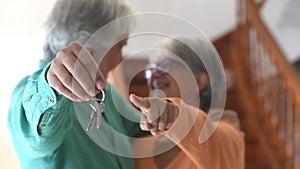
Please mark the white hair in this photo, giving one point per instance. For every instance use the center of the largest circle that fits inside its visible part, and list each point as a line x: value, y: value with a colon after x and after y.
x: 77, y: 20
x: 183, y: 50
x: 192, y: 52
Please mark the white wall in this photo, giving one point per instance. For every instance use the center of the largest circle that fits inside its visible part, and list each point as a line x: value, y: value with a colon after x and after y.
x: 21, y: 47
x: 213, y: 17
x: 281, y: 16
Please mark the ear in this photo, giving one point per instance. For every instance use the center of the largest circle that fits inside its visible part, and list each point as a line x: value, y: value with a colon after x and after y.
x: 202, y: 80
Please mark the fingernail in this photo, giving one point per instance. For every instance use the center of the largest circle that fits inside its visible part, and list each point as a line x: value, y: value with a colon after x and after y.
x: 149, y: 126
x: 168, y: 125
x: 133, y: 97
x: 100, y: 85
x: 154, y: 132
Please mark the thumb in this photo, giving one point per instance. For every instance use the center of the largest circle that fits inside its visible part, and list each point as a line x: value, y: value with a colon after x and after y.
x: 139, y: 102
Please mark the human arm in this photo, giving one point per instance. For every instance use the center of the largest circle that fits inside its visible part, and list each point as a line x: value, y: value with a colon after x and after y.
x: 223, y: 149
x: 41, y: 106
x: 37, y: 116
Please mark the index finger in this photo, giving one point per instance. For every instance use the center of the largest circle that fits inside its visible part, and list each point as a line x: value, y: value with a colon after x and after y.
x: 142, y: 103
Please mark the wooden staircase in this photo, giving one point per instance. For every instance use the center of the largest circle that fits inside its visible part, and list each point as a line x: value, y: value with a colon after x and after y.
x: 257, y: 156
x: 266, y: 92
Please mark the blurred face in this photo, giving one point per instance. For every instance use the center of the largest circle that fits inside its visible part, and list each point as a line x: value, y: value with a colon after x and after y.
x: 113, y: 58
x: 167, y: 76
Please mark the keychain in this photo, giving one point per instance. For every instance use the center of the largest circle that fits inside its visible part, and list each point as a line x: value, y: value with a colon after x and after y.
x: 98, y: 107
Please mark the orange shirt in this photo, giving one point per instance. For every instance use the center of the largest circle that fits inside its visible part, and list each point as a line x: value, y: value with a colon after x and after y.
x: 223, y: 149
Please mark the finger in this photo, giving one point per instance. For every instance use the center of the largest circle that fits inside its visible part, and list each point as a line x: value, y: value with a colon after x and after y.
x: 163, y: 120
x: 144, y: 124
x: 89, y: 65
x: 100, y: 78
x: 154, y: 129
x: 157, y: 108
x: 172, y: 115
x: 142, y: 103
x: 168, y: 125
x: 59, y: 87
x: 82, y: 77
x: 85, y: 58
x: 66, y: 78
x: 67, y: 58
x: 86, y: 63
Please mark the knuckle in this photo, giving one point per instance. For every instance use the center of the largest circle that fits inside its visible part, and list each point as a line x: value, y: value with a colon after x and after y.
x: 56, y: 62
x: 63, y: 52
x: 91, y: 91
x: 58, y: 87
x: 74, y: 98
x: 74, y: 44
x: 70, y: 62
x: 50, y: 74
x: 66, y: 79
x: 152, y: 120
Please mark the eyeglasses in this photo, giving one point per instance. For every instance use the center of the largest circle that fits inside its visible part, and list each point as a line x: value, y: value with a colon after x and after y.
x: 156, y: 74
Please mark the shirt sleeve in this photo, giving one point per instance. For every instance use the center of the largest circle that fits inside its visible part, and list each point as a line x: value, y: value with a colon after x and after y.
x: 37, y: 117
x: 224, y: 147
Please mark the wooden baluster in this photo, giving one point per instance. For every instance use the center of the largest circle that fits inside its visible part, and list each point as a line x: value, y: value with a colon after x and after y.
x: 252, y: 39
x: 252, y: 58
x: 256, y: 58
x: 297, y: 137
x: 264, y: 85
x: 276, y: 108
x: 259, y: 73
x: 273, y: 93
x: 282, y: 121
x: 268, y: 82
x: 270, y: 91
x: 289, y: 130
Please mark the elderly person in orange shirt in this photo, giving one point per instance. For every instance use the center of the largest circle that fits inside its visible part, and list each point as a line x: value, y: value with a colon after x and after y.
x: 179, y: 121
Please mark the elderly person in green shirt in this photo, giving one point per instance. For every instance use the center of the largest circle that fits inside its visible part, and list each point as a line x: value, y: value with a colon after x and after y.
x: 42, y: 119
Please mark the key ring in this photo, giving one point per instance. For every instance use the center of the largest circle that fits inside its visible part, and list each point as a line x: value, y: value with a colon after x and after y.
x: 100, y: 100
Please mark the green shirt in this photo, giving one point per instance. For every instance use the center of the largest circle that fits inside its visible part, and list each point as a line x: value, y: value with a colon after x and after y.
x: 47, y: 134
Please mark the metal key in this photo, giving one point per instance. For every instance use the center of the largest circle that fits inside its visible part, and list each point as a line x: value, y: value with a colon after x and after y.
x: 98, y: 107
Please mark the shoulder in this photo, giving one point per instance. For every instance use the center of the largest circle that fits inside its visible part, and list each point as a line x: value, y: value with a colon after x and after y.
x: 227, y: 115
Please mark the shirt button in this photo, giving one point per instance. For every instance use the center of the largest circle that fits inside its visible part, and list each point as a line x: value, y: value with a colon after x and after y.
x: 50, y: 100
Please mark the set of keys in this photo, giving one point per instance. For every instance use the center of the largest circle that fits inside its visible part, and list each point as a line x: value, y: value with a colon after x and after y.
x: 98, y: 107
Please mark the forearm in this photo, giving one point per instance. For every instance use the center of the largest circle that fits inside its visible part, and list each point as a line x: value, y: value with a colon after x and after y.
x: 223, y: 149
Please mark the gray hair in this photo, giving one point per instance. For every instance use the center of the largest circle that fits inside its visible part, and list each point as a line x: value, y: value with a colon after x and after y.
x: 181, y: 48
x: 183, y: 51
x: 77, y: 20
